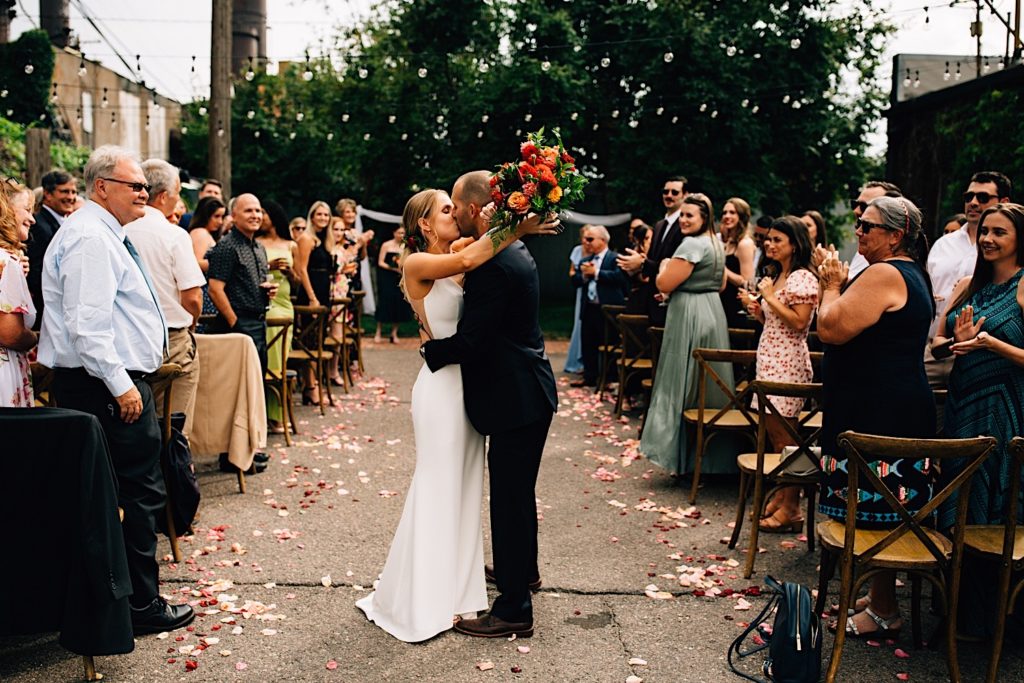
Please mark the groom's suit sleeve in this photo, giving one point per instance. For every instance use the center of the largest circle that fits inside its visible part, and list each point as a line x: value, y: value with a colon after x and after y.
x: 484, y: 306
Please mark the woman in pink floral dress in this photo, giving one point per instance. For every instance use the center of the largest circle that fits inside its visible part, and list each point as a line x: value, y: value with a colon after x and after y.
x: 17, y: 314
x: 785, y: 307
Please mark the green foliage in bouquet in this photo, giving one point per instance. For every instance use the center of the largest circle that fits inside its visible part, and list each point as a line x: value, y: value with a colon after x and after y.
x: 544, y: 180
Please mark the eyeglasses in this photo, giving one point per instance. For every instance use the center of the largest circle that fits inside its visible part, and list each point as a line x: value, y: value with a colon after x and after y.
x: 136, y: 187
x: 674, y: 193
x: 588, y: 239
x: 983, y: 197
x: 857, y: 204
x: 865, y: 227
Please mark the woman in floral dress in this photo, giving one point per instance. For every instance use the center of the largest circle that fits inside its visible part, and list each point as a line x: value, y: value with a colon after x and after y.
x: 17, y: 313
x: 785, y: 308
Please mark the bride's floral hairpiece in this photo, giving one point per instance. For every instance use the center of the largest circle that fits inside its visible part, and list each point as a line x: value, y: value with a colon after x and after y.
x: 415, y: 243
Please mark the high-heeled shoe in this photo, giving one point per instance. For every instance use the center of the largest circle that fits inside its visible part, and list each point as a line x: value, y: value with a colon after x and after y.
x: 337, y: 381
x: 308, y: 399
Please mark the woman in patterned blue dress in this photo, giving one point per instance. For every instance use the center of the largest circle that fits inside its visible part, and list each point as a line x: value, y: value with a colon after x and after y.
x: 986, y: 385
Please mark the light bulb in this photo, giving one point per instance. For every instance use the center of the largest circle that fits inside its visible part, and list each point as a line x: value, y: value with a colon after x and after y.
x: 669, y: 57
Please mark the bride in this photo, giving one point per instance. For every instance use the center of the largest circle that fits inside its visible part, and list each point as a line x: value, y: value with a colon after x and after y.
x: 435, y: 568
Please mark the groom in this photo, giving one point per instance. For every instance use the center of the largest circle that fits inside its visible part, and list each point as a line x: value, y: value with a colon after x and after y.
x: 509, y: 392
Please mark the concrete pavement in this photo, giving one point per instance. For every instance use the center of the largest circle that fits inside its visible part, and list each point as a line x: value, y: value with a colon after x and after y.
x: 293, y: 555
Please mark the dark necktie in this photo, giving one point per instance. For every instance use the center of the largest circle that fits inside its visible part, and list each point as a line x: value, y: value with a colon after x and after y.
x: 152, y: 292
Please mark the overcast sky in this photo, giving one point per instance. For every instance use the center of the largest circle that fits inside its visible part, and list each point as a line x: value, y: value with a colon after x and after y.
x: 167, y: 35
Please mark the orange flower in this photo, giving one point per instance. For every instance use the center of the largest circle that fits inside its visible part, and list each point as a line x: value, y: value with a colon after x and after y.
x: 555, y: 194
x: 545, y: 175
x: 518, y: 202
x: 549, y: 155
x: 528, y: 151
x: 529, y: 189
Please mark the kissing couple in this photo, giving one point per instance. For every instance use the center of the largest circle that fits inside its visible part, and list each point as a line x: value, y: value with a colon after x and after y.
x: 485, y: 373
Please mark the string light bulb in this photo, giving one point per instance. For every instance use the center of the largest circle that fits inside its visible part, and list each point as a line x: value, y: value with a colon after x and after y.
x: 104, y: 103
x: 946, y: 76
x: 250, y: 74
x: 82, y: 72
x: 917, y: 78
x: 669, y: 57
x: 906, y: 79
x: 958, y: 75
x: 29, y: 69
x: 307, y: 72
x: 422, y: 73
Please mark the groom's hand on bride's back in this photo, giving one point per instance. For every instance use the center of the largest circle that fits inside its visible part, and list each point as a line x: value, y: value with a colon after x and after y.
x: 461, y: 243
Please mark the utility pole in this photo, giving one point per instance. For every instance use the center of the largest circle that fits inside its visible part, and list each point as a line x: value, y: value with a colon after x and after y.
x: 220, y: 95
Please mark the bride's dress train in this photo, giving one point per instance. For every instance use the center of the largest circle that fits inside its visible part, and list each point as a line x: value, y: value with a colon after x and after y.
x: 434, y: 569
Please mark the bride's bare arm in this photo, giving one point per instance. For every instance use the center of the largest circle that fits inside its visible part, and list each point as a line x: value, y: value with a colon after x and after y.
x: 425, y: 267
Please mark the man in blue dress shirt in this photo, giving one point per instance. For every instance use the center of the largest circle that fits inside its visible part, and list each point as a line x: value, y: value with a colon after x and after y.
x: 102, y: 332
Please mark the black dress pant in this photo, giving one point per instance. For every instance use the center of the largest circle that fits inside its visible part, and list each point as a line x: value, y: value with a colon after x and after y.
x: 591, y: 336
x: 135, y: 453
x: 513, y: 461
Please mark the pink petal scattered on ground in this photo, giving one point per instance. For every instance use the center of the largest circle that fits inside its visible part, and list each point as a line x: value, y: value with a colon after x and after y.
x: 485, y: 666
x: 903, y: 676
x: 523, y: 649
x: 332, y: 665
x: 241, y: 666
x: 902, y: 654
x: 874, y: 643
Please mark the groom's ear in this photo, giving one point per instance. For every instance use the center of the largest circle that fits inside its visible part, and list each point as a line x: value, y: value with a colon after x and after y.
x: 474, y: 210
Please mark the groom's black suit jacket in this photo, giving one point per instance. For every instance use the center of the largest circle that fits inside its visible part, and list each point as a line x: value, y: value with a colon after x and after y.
x: 506, y: 376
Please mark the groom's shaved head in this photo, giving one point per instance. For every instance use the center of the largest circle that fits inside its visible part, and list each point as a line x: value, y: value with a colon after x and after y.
x: 474, y: 187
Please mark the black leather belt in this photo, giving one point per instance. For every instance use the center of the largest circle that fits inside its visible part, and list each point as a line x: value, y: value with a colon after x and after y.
x: 82, y: 372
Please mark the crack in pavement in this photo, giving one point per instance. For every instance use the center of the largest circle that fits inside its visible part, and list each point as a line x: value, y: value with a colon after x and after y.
x: 617, y: 629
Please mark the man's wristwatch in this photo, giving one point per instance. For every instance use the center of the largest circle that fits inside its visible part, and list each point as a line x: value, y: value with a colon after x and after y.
x: 423, y: 352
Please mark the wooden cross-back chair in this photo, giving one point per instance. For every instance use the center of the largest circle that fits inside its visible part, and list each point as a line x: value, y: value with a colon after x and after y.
x: 610, y: 348
x: 354, y: 332
x: 767, y: 469
x: 911, y: 546
x: 635, y: 355
x: 1002, y: 544
x: 337, y: 340
x: 308, y: 346
x: 280, y: 382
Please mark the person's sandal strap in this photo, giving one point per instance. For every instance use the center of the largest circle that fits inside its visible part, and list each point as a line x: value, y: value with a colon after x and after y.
x: 883, y: 624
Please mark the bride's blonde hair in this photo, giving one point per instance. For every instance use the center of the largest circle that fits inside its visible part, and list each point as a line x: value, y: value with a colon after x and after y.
x: 420, y: 205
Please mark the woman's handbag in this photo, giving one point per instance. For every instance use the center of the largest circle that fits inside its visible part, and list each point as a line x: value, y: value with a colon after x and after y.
x: 794, y: 641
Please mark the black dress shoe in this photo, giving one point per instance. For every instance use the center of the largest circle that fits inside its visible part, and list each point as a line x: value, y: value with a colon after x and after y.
x: 227, y: 466
x: 489, y: 578
x: 490, y: 626
x: 160, y: 616
x: 261, y: 457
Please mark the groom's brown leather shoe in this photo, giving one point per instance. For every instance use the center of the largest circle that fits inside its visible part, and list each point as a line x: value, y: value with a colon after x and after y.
x: 490, y: 626
x: 489, y: 578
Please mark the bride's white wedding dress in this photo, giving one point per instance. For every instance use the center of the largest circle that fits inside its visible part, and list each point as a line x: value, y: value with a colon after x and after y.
x: 434, y: 569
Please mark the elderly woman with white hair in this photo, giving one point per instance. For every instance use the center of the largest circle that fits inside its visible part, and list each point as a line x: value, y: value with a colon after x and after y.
x: 874, y: 329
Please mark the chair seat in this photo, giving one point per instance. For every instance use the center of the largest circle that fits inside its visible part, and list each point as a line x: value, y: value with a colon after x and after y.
x: 647, y: 383
x: 609, y: 348
x: 747, y: 462
x: 814, y: 422
x: 635, y: 363
x: 300, y: 356
x: 988, y: 540
x: 732, y: 419
x: 906, y: 552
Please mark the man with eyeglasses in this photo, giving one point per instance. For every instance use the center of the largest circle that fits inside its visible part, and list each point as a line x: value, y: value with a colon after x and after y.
x: 103, y: 332
x: 59, y: 194
x: 953, y: 256
x: 666, y: 239
x: 873, y: 189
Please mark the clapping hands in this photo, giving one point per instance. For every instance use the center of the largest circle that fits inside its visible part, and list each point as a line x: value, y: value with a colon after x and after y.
x: 967, y: 333
x: 832, y: 272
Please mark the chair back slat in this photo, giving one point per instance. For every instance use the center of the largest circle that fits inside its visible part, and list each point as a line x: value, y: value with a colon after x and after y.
x: 804, y: 436
x: 636, y: 342
x: 735, y: 400
x: 863, y: 449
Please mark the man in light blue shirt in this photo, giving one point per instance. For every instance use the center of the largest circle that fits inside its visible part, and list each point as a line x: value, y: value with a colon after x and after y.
x: 102, y: 332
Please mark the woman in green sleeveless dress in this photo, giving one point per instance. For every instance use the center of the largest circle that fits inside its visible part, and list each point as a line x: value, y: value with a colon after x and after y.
x: 694, y: 276
x: 275, y: 237
x: 986, y: 385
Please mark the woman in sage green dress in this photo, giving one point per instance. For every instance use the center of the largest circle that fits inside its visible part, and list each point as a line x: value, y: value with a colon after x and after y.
x: 691, y: 279
x: 275, y: 236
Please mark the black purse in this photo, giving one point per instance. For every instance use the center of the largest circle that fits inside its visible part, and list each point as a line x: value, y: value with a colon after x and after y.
x: 794, y: 643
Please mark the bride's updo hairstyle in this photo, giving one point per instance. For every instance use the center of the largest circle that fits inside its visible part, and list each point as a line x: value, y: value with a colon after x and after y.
x: 420, y: 205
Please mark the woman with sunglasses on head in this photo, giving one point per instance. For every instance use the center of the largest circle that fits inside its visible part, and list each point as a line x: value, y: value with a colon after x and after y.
x: 691, y: 281
x: 17, y: 313
x: 739, y: 257
x: 874, y: 330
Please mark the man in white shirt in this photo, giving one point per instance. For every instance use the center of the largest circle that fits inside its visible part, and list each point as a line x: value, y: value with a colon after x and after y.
x: 103, y: 331
x: 873, y: 189
x: 953, y: 257
x: 167, y: 252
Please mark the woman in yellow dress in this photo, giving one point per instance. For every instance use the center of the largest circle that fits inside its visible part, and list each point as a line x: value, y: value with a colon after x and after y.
x: 275, y: 237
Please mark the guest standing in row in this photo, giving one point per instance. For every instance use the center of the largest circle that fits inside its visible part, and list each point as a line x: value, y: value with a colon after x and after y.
x: 281, y: 253
x: 874, y: 380
x: 204, y: 229
x: 739, y: 258
x: 60, y: 193
x: 815, y: 224
x: 392, y: 308
x: 785, y: 308
x: 17, y: 311
x: 574, y: 358
x: 315, y: 268
x: 692, y: 280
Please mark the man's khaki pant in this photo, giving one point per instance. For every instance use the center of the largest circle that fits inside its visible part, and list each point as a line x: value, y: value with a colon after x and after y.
x: 181, y: 349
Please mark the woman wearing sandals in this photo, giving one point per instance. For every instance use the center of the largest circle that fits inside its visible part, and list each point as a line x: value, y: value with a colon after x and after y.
x: 873, y: 380
x: 785, y: 307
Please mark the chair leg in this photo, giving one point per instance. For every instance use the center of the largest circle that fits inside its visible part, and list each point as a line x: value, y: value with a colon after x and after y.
x: 603, y: 358
x: 1005, y: 605
x: 811, y: 492
x: 915, y: 610
x: 755, y: 526
x: 325, y: 381
x: 175, y: 549
x: 845, y: 598
x: 241, y: 481
x: 698, y: 454
x: 741, y: 510
x: 90, y: 669
x: 620, y: 393
x: 286, y: 409
x: 825, y: 574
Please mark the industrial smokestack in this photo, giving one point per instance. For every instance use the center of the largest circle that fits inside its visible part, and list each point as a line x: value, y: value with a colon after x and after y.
x: 248, y: 33
x: 55, y: 19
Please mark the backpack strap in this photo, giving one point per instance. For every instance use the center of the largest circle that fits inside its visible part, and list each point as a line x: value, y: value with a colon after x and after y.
x: 753, y: 626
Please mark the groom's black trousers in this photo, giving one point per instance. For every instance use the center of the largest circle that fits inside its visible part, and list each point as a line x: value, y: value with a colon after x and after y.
x: 513, y: 460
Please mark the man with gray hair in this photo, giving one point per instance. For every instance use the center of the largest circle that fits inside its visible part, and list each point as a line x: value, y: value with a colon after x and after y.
x: 59, y: 194
x: 103, y: 332
x: 166, y: 250
x: 604, y: 282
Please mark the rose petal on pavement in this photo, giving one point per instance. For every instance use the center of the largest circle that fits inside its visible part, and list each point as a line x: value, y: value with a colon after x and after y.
x: 332, y: 665
x: 523, y: 649
x: 636, y: 661
x: 241, y: 666
x: 902, y: 654
x: 485, y: 666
